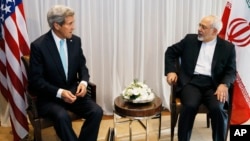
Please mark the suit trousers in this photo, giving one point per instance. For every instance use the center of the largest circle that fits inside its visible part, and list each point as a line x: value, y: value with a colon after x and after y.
x: 84, y: 107
x: 201, y: 90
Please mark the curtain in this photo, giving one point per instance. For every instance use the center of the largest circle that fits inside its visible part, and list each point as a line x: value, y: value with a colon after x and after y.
x: 125, y: 40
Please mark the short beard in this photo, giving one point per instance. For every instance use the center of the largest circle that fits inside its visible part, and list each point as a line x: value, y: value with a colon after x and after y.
x: 200, y: 38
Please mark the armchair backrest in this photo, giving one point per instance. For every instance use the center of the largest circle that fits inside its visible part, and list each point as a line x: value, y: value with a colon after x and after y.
x: 31, y: 98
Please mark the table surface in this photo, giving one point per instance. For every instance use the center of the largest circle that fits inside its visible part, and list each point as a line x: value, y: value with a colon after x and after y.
x: 124, y: 108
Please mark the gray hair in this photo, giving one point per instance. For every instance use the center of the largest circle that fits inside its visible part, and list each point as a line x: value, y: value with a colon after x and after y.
x: 57, y: 14
x: 216, y: 23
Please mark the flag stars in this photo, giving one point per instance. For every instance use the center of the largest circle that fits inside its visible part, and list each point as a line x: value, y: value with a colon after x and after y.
x: 11, y: 1
x: 2, y: 6
x: 7, y: 9
x: 2, y: 12
x: 2, y: 18
x: 7, y: 2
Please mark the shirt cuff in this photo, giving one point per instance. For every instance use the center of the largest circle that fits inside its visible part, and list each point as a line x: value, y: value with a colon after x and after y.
x: 59, y: 93
x: 84, y: 83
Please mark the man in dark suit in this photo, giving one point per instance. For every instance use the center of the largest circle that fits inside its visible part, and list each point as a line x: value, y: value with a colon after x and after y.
x: 207, y: 69
x: 61, y: 81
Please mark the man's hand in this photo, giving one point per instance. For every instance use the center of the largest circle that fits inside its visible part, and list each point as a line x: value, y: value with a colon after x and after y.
x: 222, y: 93
x: 68, y: 97
x: 81, y: 90
x: 172, y: 78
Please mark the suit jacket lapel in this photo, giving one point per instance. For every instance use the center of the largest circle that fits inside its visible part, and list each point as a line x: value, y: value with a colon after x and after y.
x: 217, y: 53
x: 196, y: 52
x: 55, y: 54
x: 70, y: 44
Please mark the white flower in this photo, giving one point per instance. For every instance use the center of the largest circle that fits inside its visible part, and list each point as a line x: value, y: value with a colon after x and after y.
x: 138, y: 92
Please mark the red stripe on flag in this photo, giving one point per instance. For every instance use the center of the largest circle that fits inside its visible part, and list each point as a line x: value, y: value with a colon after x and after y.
x: 3, y: 89
x: 239, y: 106
x: 225, y: 18
x: 19, y: 116
x: 15, y: 81
x: 11, y: 43
x: 24, y: 47
x: 4, y: 92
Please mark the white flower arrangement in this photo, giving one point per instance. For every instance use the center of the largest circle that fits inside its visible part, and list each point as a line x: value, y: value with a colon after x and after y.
x: 138, y: 92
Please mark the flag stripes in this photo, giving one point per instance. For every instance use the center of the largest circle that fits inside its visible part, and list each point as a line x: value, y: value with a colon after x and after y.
x: 13, y: 77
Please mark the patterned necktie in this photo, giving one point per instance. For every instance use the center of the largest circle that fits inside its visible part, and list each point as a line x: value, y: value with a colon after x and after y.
x: 63, y: 57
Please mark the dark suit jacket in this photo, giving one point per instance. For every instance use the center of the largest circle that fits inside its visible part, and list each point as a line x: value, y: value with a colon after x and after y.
x: 187, y: 50
x: 46, y: 74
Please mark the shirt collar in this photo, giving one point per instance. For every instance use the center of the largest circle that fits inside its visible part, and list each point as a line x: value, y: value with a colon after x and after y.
x: 56, y: 38
x: 212, y: 42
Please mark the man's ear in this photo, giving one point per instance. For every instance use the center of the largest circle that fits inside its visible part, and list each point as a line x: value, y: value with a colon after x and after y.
x: 57, y: 26
x: 215, y: 31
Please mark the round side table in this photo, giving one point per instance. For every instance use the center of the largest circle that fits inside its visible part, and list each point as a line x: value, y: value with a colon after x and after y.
x: 138, y: 112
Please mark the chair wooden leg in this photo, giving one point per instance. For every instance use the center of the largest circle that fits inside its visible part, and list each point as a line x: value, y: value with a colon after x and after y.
x: 111, y: 134
x: 159, y: 135
x: 208, y: 120
x: 228, y: 126
x: 37, y: 131
x: 174, y: 117
x: 229, y: 112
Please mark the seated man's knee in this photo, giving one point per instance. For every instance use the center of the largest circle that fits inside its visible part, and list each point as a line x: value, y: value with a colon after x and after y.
x: 62, y: 115
x: 217, y: 111
x: 98, y: 111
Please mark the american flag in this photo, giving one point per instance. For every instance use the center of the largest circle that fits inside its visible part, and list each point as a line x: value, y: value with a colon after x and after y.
x: 12, y: 74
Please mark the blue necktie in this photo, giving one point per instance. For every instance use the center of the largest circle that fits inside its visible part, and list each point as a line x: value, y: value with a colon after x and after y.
x: 63, y: 57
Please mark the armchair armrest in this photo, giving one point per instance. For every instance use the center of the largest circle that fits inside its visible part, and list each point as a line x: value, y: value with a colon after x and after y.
x: 91, y: 90
x: 32, y: 99
x: 32, y: 107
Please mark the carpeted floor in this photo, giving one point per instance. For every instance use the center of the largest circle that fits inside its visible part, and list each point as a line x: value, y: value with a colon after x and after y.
x: 200, y: 131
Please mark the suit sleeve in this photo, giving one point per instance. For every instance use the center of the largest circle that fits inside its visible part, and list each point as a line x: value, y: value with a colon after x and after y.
x: 83, y: 72
x: 230, y: 69
x: 36, y: 78
x: 172, y: 55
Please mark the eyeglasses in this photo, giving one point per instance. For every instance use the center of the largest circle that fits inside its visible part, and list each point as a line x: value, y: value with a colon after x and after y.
x: 203, y: 27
